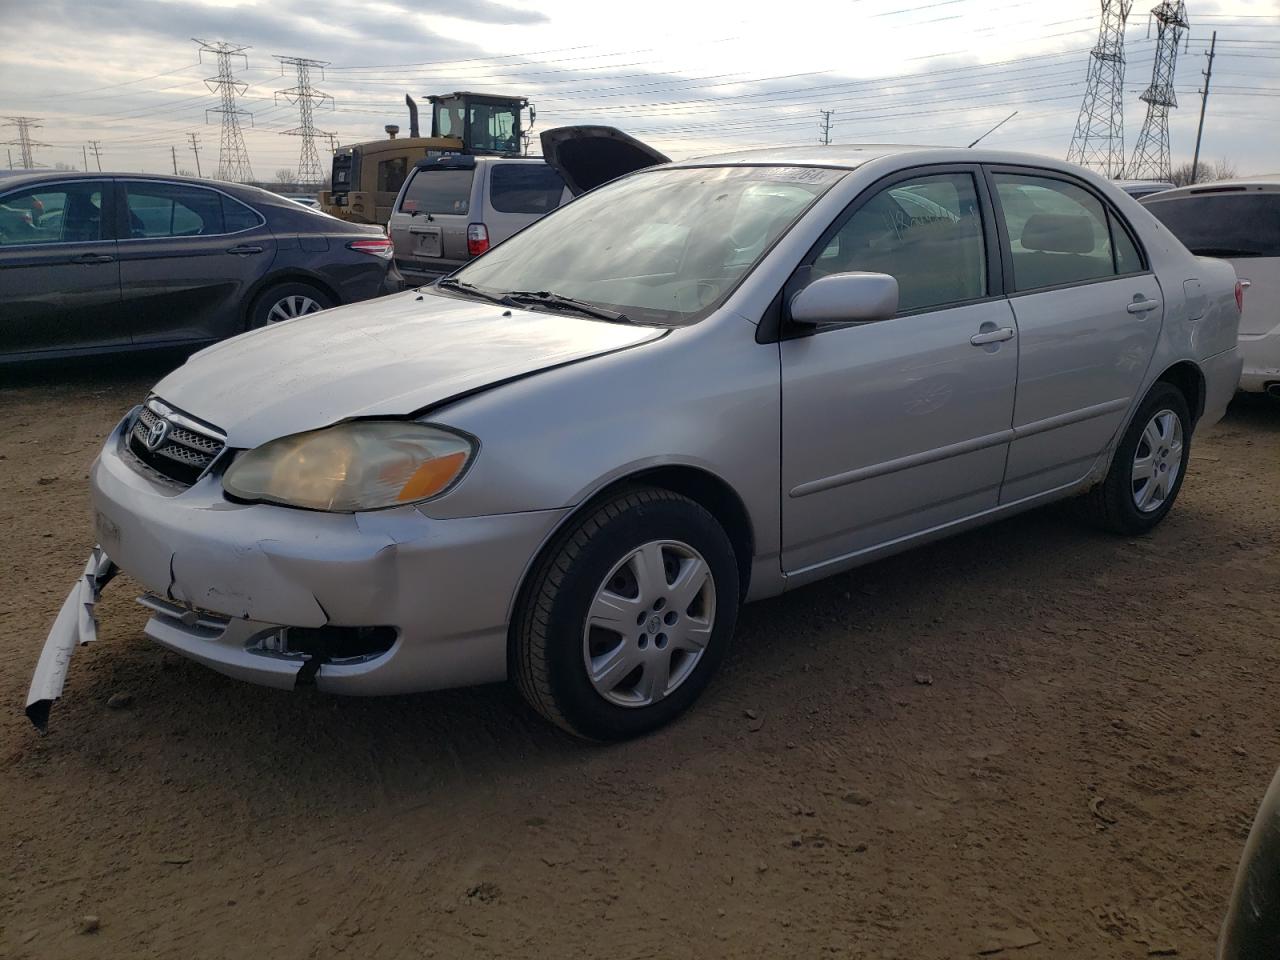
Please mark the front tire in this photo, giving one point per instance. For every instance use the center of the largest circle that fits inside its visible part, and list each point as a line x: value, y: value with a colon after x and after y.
x: 1148, y: 468
x: 627, y: 616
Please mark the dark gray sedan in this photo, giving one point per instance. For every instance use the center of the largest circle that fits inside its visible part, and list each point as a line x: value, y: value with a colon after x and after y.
x: 107, y: 262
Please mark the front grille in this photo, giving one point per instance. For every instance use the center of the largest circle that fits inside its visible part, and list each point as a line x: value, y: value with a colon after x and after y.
x: 185, y: 449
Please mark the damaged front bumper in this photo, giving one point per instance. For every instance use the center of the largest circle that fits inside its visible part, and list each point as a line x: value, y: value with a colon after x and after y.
x: 386, y: 602
x: 74, y: 626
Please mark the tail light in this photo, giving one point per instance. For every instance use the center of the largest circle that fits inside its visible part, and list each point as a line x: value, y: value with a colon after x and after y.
x: 477, y: 239
x: 1240, y: 296
x: 374, y: 246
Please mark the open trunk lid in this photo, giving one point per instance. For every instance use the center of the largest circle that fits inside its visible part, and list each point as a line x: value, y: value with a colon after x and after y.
x: 588, y: 156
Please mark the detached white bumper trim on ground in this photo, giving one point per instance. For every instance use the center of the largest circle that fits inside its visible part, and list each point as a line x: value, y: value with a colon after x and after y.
x: 73, y: 627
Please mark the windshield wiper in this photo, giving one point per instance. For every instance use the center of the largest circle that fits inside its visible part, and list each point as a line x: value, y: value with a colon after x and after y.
x: 452, y: 283
x: 545, y: 298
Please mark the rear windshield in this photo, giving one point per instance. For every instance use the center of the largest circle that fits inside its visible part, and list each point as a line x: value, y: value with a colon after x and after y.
x: 438, y: 191
x: 524, y: 188
x: 1223, y: 224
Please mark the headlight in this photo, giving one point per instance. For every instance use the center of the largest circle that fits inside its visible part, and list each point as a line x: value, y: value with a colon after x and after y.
x: 361, y: 465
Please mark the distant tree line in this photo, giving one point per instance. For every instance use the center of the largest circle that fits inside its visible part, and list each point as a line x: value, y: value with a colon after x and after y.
x: 1209, y: 170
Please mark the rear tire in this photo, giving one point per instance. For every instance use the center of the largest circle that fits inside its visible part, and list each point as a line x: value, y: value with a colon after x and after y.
x: 627, y: 615
x: 1148, y: 467
x: 285, y: 301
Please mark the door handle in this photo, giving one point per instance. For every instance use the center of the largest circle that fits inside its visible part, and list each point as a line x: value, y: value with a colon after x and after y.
x: 1142, y: 306
x: 992, y: 336
x: 244, y: 249
x: 93, y: 258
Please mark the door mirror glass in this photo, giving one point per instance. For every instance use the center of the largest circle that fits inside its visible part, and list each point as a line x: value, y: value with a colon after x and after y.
x: 846, y: 298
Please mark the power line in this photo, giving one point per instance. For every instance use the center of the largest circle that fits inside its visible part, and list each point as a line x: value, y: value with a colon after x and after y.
x: 233, y: 155
x: 305, y: 97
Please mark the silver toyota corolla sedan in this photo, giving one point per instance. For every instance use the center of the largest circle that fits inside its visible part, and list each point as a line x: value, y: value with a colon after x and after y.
x: 702, y: 383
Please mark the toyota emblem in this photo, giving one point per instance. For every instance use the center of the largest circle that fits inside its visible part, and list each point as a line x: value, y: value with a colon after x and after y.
x: 156, y: 435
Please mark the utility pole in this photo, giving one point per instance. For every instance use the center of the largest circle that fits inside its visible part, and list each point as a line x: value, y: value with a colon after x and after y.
x: 96, y: 146
x: 84, y: 151
x: 305, y: 97
x: 1098, y: 140
x: 825, y: 126
x: 173, y: 151
x: 233, y: 155
x: 10, y: 153
x: 26, y: 146
x: 1204, y: 99
x: 195, y: 148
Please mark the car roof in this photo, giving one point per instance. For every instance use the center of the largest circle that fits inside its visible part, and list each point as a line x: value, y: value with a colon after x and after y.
x: 23, y: 177
x: 853, y: 155
x: 1267, y: 184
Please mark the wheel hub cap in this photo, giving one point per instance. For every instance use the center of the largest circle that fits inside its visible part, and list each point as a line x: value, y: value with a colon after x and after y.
x: 649, y: 623
x: 289, y: 307
x: 1157, y: 461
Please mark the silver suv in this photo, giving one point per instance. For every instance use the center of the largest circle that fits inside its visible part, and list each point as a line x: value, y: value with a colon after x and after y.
x: 454, y: 208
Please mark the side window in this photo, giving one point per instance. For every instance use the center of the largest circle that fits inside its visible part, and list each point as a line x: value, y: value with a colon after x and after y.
x: 236, y: 216
x: 170, y: 210
x: 391, y: 174
x: 70, y: 213
x: 926, y: 233
x: 1058, y: 232
x: 524, y: 188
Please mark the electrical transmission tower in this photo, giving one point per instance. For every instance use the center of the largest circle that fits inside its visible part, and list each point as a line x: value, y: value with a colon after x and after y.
x: 1098, y: 140
x: 825, y: 126
x: 305, y: 97
x: 233, y: 155
x: 24, y: 143
x: 1150, y: 160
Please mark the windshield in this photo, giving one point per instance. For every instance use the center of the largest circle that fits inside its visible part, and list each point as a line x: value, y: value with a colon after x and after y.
x: 665, y: 246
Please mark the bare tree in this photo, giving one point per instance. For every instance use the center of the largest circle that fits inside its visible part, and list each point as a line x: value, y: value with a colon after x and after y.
x: 1180, y: 176
x: 284, y: 175
x: 184, y: 172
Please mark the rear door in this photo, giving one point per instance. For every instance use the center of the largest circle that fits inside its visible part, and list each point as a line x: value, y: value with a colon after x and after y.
x: 58, y: 268
x: 1089, y: 312
x: 189, y: 256
x: 429, y: 224
x: 517, y: 193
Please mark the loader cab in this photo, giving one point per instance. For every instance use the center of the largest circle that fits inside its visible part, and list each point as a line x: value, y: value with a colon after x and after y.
x: 487, y: 124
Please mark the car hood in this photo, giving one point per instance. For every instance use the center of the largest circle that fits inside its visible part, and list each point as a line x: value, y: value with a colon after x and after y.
x: 389, y: 357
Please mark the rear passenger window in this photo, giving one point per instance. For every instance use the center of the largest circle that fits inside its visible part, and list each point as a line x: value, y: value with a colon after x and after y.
x: 170, y: 210
x: 926, y: 233
x: 524, y: 188
x: 1127, y: 257
x: 1058, y: 232
x: 236, y: 216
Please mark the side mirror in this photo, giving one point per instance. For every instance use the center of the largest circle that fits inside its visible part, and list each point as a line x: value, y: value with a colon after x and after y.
x: 846, y: 298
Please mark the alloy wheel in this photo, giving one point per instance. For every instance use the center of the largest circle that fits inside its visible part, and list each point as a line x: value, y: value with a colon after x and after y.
x: 649, y: 623
x: 292, y: 306
x: 1157, y: 461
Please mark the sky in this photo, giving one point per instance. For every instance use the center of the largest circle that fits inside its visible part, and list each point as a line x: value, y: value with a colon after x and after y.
x: 692, y: 78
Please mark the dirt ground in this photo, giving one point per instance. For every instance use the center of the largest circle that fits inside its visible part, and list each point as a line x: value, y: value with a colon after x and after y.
x: 1032, y: 741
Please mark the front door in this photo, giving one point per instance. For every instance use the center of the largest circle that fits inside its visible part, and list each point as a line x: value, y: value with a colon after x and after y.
x: 58, y: 269
x: 191, y: 258
x: 894, y: 428
x: 1089, y: 313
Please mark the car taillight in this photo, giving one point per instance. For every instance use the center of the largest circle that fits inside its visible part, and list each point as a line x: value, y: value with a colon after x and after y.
x: 477, y: 239
x: 376, y: 246
x: 1240, y: 296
